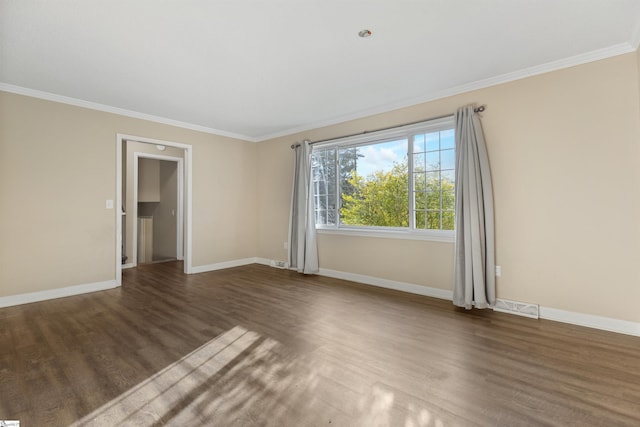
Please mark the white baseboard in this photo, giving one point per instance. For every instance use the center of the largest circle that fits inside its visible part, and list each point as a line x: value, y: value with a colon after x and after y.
x: 580, y: 319
x: 68, y: 291
x: 591, y: 321
x: 574, y: 318
x: 389, y: 284
x: 224, y: 264
x: 128, y: 265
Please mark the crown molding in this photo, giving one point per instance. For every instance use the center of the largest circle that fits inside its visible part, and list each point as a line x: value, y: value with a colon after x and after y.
x: 596, y: 55
x: 572, y: 61
x: 33, y: 93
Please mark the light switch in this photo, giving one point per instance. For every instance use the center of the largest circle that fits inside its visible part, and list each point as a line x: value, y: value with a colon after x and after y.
x: 109, y: 204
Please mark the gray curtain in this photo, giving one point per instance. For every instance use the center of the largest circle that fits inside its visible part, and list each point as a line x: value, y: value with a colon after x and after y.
x: 474, y: 276
x: 303, y: 247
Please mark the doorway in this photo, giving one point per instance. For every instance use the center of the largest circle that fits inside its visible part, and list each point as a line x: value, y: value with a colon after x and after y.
x: 169, y: 203
x: 157, y: 207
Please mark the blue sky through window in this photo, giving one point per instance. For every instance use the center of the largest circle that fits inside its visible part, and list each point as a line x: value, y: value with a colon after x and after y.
x: 381, y: 157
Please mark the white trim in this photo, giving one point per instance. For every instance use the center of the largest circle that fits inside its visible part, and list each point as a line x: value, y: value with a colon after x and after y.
x: 6, y: 87
x: 263, y: 261
x: 224, y: 264
x: 572, y: 61
x: 391, y: 134
x: 187, y: 216
x: 444, y: 236
x: 596, y: 55
x: 133, y: 211
x: 591, y: 321
x: 580, y: 319
x: 406, y: 134
x: 68, y: 291
x: 128, y: 265
x: 389, y: 284
x: 118, y: 211
x: 564, y: 316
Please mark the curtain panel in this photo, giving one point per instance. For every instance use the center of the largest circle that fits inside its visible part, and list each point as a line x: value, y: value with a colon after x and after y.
x: 474, y: 275
x: 303, y: 246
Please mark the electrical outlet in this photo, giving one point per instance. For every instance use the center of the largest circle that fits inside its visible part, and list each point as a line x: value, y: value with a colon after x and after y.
x: 498, y: 270
x: 286, y: 246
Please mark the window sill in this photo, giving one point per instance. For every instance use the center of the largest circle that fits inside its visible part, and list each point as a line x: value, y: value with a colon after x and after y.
x: 439, y: 236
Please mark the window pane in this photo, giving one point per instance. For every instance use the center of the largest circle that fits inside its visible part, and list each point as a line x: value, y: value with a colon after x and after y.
x: 433, y: 161
x: 447, y: 139
x: 321, y: 216
x: 448, y: 177
x: 448, y: 221
x: 368, y: 184
x: 433, y: 220
x: 433, y: 200
x: 418, y: 143
x: 419, y: 181
x: 323, y: 163
x: 433, y: 181
x: 421, y: 220
x: 374, y: 181
x: 419, y: 162
x: 448, y: 159
x: 448, y: 200
x: 332, y: 216
x: 420, y: 200
x: 433, y: 141
x: 348, y: 159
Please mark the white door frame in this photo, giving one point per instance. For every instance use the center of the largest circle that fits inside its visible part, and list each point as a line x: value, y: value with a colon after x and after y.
x: 180, y: 202
x: 188, y: 203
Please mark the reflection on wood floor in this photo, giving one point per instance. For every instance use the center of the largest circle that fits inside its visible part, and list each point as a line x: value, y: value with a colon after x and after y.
x: 258, y: 346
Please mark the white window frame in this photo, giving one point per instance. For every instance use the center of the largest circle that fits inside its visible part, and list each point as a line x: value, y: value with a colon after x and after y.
x: 407, y: 132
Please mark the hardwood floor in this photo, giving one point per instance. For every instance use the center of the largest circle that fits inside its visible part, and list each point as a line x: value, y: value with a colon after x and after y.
x: 254, y: 346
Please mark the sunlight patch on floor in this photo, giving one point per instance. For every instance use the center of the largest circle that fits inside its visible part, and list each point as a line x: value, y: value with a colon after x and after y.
x: 150, y: 401
x: 243, y: 378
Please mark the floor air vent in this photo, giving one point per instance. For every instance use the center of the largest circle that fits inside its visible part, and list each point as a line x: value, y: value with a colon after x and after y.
x: 278, y: 264
x: 519, y: 308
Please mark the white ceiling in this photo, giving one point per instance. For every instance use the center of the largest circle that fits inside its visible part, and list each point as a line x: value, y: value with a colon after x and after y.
x: 255, y: 69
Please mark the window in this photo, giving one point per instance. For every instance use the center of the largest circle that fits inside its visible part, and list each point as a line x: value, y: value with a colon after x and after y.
x: 398, y: 180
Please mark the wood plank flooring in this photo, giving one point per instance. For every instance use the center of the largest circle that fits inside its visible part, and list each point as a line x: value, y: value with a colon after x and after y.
x: 258, y: 346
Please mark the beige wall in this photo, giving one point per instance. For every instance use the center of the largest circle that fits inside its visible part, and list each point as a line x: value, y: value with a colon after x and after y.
x: 165, y: 215
x: 57, y: 168
x: 148, y: 180
x: 564, y: 149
